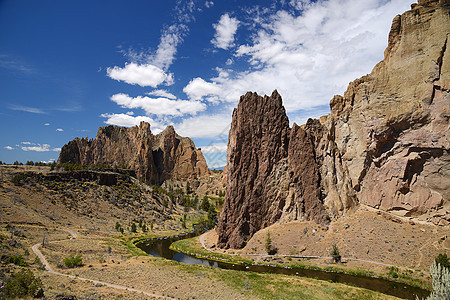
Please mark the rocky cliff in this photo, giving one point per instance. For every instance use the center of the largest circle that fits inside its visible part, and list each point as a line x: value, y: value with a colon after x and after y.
x: 155, y: 158
x: 385, y: 143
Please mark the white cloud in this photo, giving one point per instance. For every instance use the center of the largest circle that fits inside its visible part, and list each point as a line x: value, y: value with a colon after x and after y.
x: 47, y: 124
x: 25, y: 143
x: 300, y: 4
x: 159, y: 106
x: 143, y: 75
x: 217, y: 163
x: 307, y: 57
x: 129, y: 121
x: 40, y: 148
x: 171, y: 38
x: 59, y: 129
x: 215, y: 148
x: 8, y: 148
x: 205, y: 126
x: 168, y: 44
x: 225, y: 31
x: 162, y: 93
x: 199, y: 88
x: 209, y: 4
x: 32, y: 110
x: 48, y: 161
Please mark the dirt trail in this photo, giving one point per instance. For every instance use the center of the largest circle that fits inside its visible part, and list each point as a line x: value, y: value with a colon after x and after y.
x: 49, y: 269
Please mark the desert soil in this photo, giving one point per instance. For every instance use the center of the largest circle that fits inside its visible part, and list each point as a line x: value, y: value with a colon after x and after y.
x: 29, y: 216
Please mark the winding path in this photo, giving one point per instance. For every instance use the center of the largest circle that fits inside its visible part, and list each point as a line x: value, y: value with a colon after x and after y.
x: 49, y: 269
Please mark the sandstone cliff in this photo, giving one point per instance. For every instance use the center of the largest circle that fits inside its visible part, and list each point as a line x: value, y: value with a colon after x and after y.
x: 155, y: 158
x: 385, y: 143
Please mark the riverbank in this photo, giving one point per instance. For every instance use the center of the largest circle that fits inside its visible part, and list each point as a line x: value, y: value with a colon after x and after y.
x: 196, y: 247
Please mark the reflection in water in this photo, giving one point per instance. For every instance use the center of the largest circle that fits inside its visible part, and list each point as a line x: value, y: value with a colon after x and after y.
x: 160, y: 248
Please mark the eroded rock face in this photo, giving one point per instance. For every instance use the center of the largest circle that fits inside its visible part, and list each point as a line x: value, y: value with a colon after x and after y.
x: 394, y: 130
x: 155, y: 158
x: 273, y: 172
x: 385, y: 144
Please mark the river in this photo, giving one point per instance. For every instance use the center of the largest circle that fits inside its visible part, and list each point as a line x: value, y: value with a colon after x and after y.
x: 160, y: 248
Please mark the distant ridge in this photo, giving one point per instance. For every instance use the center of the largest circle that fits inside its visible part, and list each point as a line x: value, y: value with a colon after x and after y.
x: 155, y: 158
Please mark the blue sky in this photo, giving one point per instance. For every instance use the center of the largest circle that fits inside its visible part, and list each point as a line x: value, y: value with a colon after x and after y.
x: 69, y: 67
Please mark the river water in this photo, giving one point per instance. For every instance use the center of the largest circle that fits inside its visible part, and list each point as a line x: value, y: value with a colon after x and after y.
x: 160, y: 248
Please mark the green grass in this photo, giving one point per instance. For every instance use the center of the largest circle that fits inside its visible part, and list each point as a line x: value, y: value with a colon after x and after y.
x: 193, y: 247
x: 276, y: 286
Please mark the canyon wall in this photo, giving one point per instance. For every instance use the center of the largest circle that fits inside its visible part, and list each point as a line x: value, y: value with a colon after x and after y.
x: 385, y: 143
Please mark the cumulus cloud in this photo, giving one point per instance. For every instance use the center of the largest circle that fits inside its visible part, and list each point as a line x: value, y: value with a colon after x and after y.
x: 205, y: 126
x: 162, y: 93
x: 47, y: 124
x: 127, y: 120
x: 143, y: 75
x: 159, y: 106
x: 48, y: 161
x: 39, y: 148
x: 198, y: 88
x: 8, y: 148
x: 60, y: 130
x: 209, y: 4
x: 225, y: 31
x: 307, y: 56
x: 215, y: 148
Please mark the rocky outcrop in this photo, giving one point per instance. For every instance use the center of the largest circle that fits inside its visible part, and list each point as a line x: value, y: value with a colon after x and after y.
x: 274, y: 173
x: 385, y: 143
x: 258, y: 140
x: 155, y: 158
x: 392, y: 126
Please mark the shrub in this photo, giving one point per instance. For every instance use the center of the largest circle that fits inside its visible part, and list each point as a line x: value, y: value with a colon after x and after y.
x: 393, y: 272
x: 133, y: 227
x: 336, y: 256
x: 443, y: 260
x: 441, y: 282
x: 19, y: 178
x: 17, y: 260
x: 212, y: 216
x: 118, y: 226
x: 205, y: 204
x: 73, y: 261
x: 268, y: 244
x: 23, y: 284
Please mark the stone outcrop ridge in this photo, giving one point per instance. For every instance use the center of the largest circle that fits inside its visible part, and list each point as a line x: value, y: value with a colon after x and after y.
x: 155, y: 158
x: 276, y: 173
x: 385, y: 143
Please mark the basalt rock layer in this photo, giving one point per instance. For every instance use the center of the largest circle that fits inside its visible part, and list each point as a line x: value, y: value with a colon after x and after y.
x: 385, y: 143
x: 155, y: 158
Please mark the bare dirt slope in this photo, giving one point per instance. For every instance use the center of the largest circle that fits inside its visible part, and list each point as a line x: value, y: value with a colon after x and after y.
x: 76, y: 218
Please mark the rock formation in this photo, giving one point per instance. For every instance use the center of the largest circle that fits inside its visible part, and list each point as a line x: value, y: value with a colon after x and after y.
x: 392, y: 126
x: 385, y: 143
x: 155, y: 158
